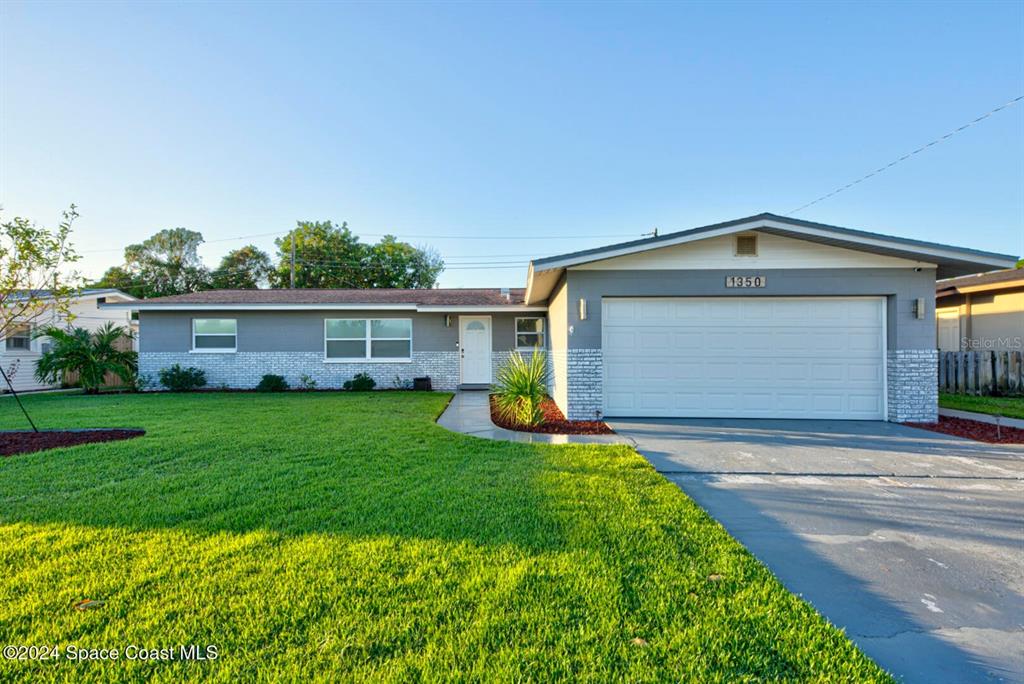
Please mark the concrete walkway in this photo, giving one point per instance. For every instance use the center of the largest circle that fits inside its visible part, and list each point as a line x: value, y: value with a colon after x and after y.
x: 470, y: 413
x: 982, y: 417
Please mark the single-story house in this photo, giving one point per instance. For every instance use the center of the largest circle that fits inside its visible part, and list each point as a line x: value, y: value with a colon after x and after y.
x: 983, y: 312
x: 760, y: 317
x: 20, y: 350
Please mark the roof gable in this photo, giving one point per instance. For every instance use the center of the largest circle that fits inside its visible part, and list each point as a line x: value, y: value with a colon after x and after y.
x: 949, y: 260
x: 773, y: 251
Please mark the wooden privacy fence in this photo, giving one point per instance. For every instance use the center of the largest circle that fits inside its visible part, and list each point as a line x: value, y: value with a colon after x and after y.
x: 981, y: 372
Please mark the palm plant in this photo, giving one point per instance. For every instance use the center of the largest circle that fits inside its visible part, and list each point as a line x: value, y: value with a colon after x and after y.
x: 91, y: 354
x: 521, y: 387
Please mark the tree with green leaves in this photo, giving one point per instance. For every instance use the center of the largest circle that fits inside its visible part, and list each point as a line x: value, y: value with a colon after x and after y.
x: 35, y: 280
x: 167, y: 263
x: 245, y: 268
x: 391, y: 263
x: 326, y: 255
x: 329, y: 255
x: 91, y: 354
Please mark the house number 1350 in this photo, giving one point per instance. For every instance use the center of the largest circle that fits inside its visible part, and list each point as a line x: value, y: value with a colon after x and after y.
x: 745, y: 281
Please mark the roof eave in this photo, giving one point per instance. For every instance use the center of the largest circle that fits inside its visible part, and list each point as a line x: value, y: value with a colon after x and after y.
x: 141, y: 305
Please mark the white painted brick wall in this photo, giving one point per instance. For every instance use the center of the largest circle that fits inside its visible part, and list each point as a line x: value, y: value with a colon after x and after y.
x: 913, y: 391
x: 585, y: 380
x: 244, y: 370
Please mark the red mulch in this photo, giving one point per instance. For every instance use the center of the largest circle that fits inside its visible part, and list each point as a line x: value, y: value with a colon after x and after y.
x: 554, y: 422
x: 973, y: 429
x: 24, y: 442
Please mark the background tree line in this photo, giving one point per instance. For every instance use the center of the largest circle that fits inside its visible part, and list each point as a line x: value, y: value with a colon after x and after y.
x: 326, y: 256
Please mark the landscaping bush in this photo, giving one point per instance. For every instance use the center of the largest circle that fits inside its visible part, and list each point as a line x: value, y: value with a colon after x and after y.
x: 90, y: 355
x: 307, y: 382
x: 521, y: 387
x: 178, y: 379
x: 272, y: 383
x: 360, y: 383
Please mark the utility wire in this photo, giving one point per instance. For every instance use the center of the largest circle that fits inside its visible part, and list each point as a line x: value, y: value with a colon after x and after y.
x: 910, y: 154
x: 417, y: 237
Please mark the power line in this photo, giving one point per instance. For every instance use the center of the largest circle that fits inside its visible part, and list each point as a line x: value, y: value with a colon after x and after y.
x: 417, y: 237
x: 911, y: 154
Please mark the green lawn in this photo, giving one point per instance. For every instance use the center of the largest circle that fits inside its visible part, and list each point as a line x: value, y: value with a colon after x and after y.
x: 348, y: 537
x: 1011, y: 407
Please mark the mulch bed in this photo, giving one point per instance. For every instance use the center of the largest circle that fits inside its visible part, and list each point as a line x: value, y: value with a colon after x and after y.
x: 23, y: 442
x: 554, y: 422
x: 973, y: 429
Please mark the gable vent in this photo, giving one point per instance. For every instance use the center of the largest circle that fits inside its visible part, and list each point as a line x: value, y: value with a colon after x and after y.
x: 746, y: 245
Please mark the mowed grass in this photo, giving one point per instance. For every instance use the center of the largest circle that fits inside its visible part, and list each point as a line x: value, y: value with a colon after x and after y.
x: 1011, y: 407
x: 347, y: 537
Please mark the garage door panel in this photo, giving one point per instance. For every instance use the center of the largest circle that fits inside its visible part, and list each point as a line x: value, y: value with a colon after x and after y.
x: 688, y: 341
x: 744, y: 357
x: 687, y: 401
x: 617, y: 311
x: 619, y: 401
x: 865, y: 403
x: 722, y: 341
x: 828, y: 371
x: 657, y: 340
x: 656, y: 310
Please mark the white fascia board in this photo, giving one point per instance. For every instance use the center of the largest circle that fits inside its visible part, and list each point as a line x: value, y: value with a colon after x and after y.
x: 529, y: 282
x: 510, y: 308
x: 142, y: 306
x: 780, y: 225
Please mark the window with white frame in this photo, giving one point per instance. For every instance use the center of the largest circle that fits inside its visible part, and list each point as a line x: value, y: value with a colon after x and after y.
x: 530, y: 333
x: 214, y: 334
x: 361, y: 339
x: 19, y: 338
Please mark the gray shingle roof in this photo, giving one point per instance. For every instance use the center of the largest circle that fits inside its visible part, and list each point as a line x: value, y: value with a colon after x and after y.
x: 993, y: 278
x: 435, y: 297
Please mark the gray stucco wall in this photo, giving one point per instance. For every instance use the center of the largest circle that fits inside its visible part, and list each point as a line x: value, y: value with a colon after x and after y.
x: 901, y: 287
x: 303, y: 331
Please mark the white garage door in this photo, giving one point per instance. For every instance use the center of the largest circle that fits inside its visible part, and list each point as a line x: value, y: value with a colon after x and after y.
x: 744, y: 357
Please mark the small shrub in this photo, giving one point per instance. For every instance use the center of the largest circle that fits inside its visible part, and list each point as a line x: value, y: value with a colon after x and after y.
x: 401, y: 384
x: 143, y: 382
x: 360, y: 383
x: 178, y: 379
x: 521, y: 387
x: 272, y: 383
x: 307, y: 382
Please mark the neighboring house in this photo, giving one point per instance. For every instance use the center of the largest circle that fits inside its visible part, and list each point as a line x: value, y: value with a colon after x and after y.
x: 981, y: 312
x: 762, y: 317
x: 19, y: 351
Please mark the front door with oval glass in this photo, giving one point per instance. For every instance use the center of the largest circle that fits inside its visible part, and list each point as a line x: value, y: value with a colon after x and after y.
x: 475, y: 349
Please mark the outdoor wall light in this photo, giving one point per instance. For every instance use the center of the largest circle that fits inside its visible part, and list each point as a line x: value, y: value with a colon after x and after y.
x: 447, y: 320
x: 583, y: 309
x: 919, y: 307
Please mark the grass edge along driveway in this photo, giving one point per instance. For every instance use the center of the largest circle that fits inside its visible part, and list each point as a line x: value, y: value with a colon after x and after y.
x: 349, y: 537
x: 1010, y: 407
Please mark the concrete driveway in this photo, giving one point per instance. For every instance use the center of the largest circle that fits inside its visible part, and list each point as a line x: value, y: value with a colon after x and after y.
x: 911, y: 541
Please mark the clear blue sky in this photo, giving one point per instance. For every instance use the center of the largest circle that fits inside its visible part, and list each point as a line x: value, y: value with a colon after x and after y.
x: 569, y: 125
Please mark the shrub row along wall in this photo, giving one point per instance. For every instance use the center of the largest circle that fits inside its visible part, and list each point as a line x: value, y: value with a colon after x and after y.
x: 982, y: 372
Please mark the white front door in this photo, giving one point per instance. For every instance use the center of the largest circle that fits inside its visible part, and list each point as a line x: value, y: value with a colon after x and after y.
x: 745, y: 357
x: 475, y: 346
